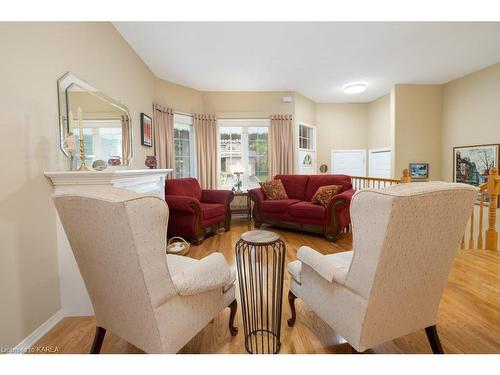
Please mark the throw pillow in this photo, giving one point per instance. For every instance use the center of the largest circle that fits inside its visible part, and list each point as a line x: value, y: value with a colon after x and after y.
x: 325, y: 193
x: 274, y: 189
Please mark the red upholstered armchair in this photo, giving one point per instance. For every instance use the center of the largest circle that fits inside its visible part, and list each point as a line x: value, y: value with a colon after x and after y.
x: 193, y: 211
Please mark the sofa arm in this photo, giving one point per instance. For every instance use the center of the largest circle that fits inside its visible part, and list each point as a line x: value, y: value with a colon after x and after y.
x: 322, y: 265
x: 256, y: 195
x: 217, y: 196
x: 342, y: 198
x: 210, y: 273
x: 339, y: 205
x: 182, y: 203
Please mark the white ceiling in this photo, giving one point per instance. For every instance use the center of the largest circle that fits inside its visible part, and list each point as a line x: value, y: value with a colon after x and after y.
x: 314, y: 58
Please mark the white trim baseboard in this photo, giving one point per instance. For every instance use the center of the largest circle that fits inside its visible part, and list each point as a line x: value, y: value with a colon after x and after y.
x: 37, y: 334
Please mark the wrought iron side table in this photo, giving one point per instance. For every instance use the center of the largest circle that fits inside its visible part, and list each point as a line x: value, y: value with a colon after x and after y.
x: 260, y: 259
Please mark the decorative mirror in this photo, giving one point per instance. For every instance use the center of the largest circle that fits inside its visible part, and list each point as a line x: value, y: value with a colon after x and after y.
x: 104, y: 122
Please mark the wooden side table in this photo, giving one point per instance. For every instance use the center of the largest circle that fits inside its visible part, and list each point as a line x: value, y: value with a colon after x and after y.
x: 260, y: 259
x: 243, y: 210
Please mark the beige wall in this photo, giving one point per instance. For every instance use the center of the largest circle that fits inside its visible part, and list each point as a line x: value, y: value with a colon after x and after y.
x: 180, y: 98
x: 471, y: 116
x: 340, y: 126
x: 379, y: 123
x: 471, y: 113
x: 34, y: 56
x: 234, y: 104
x: 417, y: 127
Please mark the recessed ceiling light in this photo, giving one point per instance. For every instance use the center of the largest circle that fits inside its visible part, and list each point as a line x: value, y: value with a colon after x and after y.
x: 355, y: 88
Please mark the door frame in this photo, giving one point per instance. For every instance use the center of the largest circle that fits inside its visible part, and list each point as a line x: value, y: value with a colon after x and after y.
x: 374, y: 150
x: 360, y: 150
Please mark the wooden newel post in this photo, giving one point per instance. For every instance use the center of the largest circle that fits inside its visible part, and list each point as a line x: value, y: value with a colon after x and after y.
x: 493, y: 191
x: 406, y: 178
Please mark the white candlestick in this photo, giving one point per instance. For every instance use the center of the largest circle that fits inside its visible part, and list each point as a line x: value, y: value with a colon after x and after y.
x: 70, y: 122
x: 80, y: 122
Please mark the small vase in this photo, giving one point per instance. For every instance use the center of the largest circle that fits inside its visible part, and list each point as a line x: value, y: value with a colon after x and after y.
x: 150, y: 162
x: 114, y: 161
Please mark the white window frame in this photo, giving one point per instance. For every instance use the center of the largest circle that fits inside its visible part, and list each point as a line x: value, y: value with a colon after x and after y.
x: 242, y: 123
x: 312, y: 151
x: 94, y: 125
x: 313, y: 141
x: 187, y: 121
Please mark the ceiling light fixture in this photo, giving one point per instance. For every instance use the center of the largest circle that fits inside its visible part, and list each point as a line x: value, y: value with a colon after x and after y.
x: 355, y: 88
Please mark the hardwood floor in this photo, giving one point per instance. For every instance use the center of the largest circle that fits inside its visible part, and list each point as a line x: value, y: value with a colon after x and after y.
x: 468, y: 318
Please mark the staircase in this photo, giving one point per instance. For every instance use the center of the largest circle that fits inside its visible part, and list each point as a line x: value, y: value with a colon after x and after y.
x: 475, y: 238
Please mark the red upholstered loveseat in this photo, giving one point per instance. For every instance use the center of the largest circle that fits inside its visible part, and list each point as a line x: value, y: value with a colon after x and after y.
x: 193, y: 211
x: 297, y: 212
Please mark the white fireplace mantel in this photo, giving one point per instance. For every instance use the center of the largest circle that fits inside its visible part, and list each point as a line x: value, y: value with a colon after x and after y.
x: 140, y: 180
x: 75, y: 300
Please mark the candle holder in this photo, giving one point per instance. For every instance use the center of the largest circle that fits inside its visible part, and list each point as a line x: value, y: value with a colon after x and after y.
x: 83, y: 167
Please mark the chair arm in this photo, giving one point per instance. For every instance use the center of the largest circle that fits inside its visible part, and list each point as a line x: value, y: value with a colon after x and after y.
x: 256, y: 195
x: 322, y: 265
x: 217, y: 196
x: 209, y: 273
x: 182, y: 203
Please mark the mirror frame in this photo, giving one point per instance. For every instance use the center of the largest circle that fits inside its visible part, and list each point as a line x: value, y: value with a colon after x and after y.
x: 66, y: 81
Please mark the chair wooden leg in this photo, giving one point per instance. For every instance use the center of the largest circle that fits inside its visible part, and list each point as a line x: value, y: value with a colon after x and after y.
x: 291, y: 300
x: 98, y: 339
x: 433, y: 338
x: 234, y: 307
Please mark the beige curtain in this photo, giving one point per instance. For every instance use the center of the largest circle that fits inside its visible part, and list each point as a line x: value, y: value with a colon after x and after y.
x: 125, y: 140
x: 281, y: 148
x: 205, y: 130
x: 163, y: 122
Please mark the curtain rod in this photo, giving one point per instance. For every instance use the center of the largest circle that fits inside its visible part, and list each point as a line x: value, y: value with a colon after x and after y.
x: 183, y: 113
x: 244, y: 118
x: 226, y: 118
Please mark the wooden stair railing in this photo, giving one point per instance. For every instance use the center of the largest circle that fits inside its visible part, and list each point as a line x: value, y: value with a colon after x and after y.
x: 362, y: 182
x: 488, y: 240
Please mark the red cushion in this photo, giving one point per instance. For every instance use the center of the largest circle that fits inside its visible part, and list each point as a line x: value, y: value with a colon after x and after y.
x: 316, y: 181
x: 188, y: 187
x: 280, y: 205
x: 295, y: 185
x: 307, y: 209
x: 211, y: 210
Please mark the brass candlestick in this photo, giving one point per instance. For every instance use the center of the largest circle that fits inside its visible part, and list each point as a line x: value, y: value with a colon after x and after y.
x: 83, y: 167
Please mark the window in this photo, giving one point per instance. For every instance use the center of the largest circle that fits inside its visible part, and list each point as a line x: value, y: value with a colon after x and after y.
x: 306, y: 137
x: 307, y: 149
x: 243, y: 149
x: 102, y: 139
x: 185, y: 165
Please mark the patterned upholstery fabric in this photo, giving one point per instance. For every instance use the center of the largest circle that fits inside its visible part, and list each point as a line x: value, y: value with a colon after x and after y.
x: 405, y: 238
x: 325, y: 193
x: 316, y: 181
x: 274, y: 189
x: 118, y: 238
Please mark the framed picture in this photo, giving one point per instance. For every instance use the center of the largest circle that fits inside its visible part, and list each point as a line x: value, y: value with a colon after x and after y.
x: 472, y: 164
x: 419, y: 171
x: 146, y: 130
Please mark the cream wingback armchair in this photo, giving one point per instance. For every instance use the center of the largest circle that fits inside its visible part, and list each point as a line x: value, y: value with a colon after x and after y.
x: 404, y: 241
x: 155, y: 302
